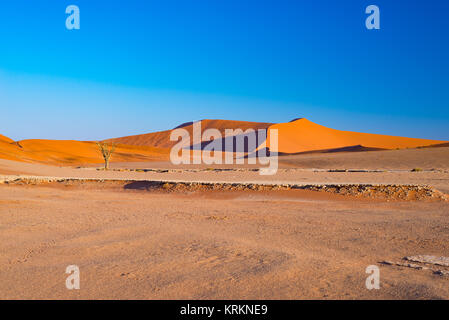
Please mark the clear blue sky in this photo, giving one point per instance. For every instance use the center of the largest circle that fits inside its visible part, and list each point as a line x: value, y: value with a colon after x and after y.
x: 141, y: 66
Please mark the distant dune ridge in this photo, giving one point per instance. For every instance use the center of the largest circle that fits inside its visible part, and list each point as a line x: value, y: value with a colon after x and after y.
x: 5, y: 139
x: 70, y: 152
x: 161, y: 139
x: 302, y: 135
x: 297, y: 136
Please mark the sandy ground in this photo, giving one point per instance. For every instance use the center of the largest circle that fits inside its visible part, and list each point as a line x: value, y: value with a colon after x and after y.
x: 293, y: 244
x: 438, y: 178
x: 214, y: 245
x: 406, y: 159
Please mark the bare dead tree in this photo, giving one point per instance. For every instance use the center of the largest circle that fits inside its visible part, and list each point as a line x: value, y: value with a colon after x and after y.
x: 106, y: 150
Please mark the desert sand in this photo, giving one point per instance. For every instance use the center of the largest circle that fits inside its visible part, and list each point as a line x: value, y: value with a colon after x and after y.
x: 5, y: 139
x: 214, y: 245
x: 192, y: 238
x: 297, y: 136
x: 70, y: 152
x: 161, y: 139
x: 132, y: 242
x: 371, y: 167
x: 303, y: 135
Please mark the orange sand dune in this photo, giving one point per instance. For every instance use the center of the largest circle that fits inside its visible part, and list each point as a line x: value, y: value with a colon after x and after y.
x: 68, y: 152
x: 5, y: 139
x: 303, y: 135
x: 294, y: 137
x: 161, y: 139
x: 8, y: 150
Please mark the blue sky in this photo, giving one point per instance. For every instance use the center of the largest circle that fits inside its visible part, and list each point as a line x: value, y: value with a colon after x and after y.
x: 142, y: 66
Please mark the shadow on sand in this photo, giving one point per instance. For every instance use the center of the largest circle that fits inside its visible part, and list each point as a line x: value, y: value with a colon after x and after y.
x: 143, y: 185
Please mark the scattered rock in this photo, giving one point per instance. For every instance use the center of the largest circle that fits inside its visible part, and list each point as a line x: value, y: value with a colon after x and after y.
x: 386, y: 192
x: 408, y: 265
x: 439, y: 261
